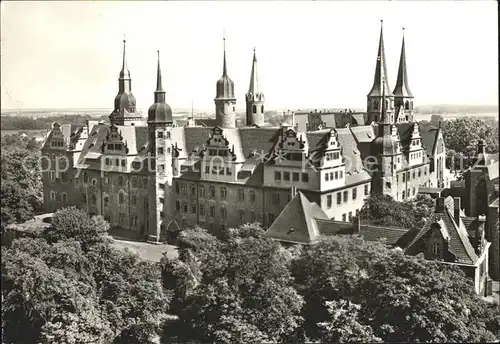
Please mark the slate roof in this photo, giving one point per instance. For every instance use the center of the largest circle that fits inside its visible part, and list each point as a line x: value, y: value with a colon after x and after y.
x: 429, y: 138
x: 459, y: 243
x: 391, y: 235
x: 296, y: 223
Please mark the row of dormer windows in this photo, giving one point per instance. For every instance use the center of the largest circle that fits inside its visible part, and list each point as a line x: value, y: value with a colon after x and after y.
x: 415, y: 142
x: 218, y: 170
x: 57, y: 143
x: 118, y: 162
x: 334, y: 175
x: 285, y: 176
x: 166, y: 135
x: 218, y: 152
x: 181, y: 188
x: 332, y: 156
x: 114, y: 146
x: 415, y: 155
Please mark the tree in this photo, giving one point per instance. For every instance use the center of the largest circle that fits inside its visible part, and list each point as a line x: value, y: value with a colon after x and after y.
x: 464, y: 132
x: 70, y: 285
x: 241, y: 288
x: 402, y: 298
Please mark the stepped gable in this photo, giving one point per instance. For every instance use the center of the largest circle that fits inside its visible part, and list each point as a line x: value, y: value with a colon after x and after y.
x: 296, y: 223
x: 459, y: 244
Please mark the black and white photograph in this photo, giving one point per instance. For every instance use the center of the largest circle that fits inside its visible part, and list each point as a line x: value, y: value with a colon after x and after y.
x: 249, y: 172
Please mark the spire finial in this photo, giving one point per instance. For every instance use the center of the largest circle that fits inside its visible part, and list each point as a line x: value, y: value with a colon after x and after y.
x: 159, y: 86
x: 224, y: 68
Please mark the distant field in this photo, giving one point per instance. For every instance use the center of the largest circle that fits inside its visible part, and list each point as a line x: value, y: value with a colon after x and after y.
x: 29, y: 132
x: 451, y: 116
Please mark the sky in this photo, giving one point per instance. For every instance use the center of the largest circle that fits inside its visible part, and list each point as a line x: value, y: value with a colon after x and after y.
x: 311, y: 54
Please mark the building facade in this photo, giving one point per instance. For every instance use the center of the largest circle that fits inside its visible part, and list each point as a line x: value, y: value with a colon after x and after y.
x: 151, y: 176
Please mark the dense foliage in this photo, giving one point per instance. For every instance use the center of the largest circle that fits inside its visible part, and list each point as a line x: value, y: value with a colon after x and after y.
x: 461, y: 136
x: 384, y: 210
x: 70, y: 285
x: 21, y: 180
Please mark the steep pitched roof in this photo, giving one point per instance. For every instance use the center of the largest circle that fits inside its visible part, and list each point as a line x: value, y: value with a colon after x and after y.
x: 296, y: 223
x: 429, y: 139
x: 374, y: 233
x: 459, y: 243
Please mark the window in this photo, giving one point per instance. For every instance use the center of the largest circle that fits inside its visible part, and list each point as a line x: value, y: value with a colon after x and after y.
x: 177, y: 206
x: 241, y: 195
x: 193, y: 208
x: 84, y: 198
x: 212, y: 191
x: 134, y: 220
x: 354, y: 193
x: 271, y: 218
x: 223, y: 213
x: 252, y: 196
x: 388, y: 185
x: 160, y: 134
x: 123, y: 163
x: 52, y: 195
x: 207, y: 169
x: 184, y: 189
x: 339, y: 198
x: 295, y: 176
x: 64, y: 197
x: 121, y: 199
x: 413, y: 175
x: 350, y: 216
x: 212, y: 211
x: 94, y: 199
x: 305, y: 177
x: 331, y: 175
x: 366, y: 189
x: 106, y: 201
x: 425, y: 171
x: 160, y: 151
x: 262, y: 108
x: 177, y: 188
x: 403, y: 175
x: 241, y: 215
x: 329, y: 201
x: 184, y: 207
x: 253, y: 218
x: 202, y: 209
x: 336, y: 174
x: 117, y: 162
x: 343, y: 217
x: 413, y: 191
x: 134, y: 182
x: 276, y: 199
x: 435, y: 247
x: 228, y: 171
x: 162, y: 214
x: 286, y: 176
x: 120, y: 181
x: 403, y: 195
x: 85, y: 177
x: 326, y: 176
x: 168, y: 134
x: 223, y: 193
x: 254, y: 109
x: 193, y: 190
x: 162, y: 200
x: 345, y: 196
x: 121, y: 218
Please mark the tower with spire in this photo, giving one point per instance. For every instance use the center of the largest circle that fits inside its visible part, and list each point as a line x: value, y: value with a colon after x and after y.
x: 387, y: 149
x: 160, y: 125
x: 374, y: 97
x: 403, y: 98
x: 124, y: 112
x: 254, y: 98
x: 225, y: 101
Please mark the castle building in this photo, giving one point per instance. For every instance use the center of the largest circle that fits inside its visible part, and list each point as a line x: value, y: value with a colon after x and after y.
x: 153, y: 177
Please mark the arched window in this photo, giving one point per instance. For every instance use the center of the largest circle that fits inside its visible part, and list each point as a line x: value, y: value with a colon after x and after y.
x: 106, y: 200
x: 94, y: 199
x: 134, y: 199
x: 375, y: 104
x: 134, y: 182
x: 407, y: 105
x: 435, y: 247
x: 254, y: 109
x: 85, y: 177
x: 262, y: 109
x: 121, y: 198
x: 120, y: 180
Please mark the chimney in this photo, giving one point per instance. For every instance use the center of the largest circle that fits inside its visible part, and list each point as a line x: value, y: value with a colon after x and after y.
x: 456, y: 209
x: 439, y: 205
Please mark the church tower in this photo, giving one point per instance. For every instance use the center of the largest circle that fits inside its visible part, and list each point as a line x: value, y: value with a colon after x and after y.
x: 225, y: 101
x: 254, y: 98
x: 403, y: 98
x: 387, y: 149
x: 159, y: 171
x: 124, y: 112
x: 374, y: 97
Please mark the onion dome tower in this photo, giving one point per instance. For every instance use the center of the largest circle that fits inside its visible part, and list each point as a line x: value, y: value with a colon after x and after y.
x: 124, y: 112
x: 225, y: 101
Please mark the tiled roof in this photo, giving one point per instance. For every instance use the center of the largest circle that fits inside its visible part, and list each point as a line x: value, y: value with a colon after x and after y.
x: 459, y: 243
x: 363, y: 133
x: 374, y: 233
x: 296, y: 223
x: 330, y: 227
x: 350, y: 149
x: 429, y: 138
